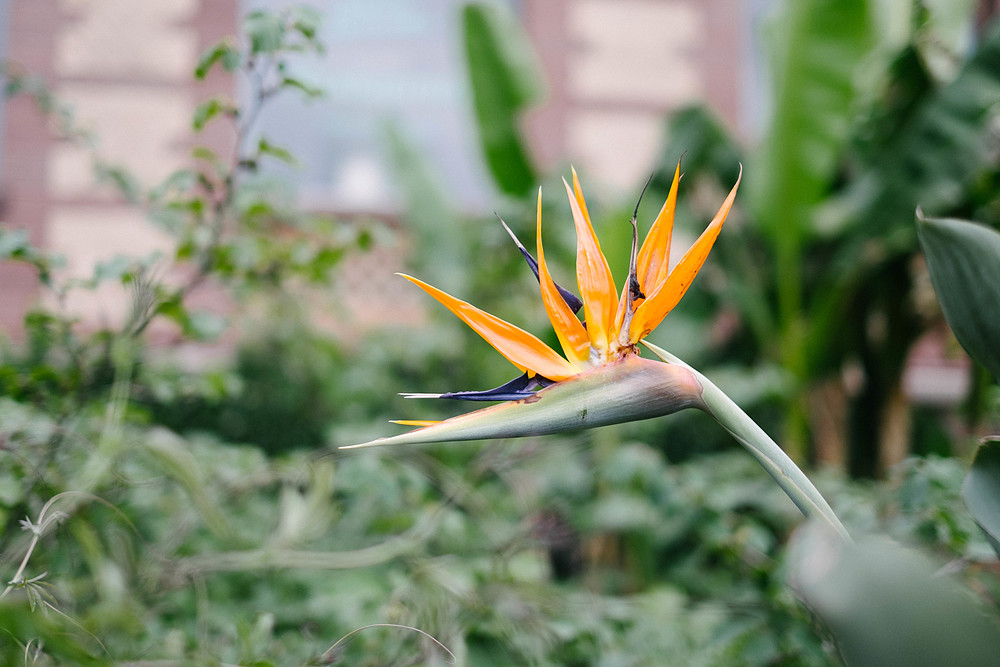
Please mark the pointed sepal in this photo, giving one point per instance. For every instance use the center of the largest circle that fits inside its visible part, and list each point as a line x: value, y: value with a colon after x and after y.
x: 572, y: 334
x: 593, y: 276
x: 571, y: 299
x: 662, y: 298
x: 521, y: 348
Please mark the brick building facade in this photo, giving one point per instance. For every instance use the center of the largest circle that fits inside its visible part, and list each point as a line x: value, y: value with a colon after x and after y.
x: 125, y: 67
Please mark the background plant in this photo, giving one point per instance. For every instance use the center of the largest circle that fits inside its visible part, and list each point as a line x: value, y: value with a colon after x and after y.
x: 899, y: 118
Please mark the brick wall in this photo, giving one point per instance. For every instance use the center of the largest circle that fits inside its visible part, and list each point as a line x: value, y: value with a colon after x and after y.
x: 125, y: 67
x: 615, y: 68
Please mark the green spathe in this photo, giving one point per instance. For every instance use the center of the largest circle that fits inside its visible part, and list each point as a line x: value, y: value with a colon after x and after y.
x: 629, y: 389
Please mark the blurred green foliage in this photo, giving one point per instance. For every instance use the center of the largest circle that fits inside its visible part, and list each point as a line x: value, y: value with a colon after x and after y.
x: 547, y: 551
x: 156, y: 515
x: 878, y: 108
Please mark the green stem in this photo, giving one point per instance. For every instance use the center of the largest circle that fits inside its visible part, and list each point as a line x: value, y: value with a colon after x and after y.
x: 774, y: 460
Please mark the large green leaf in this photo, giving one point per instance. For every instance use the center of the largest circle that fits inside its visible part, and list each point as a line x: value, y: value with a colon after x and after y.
x: 818, y: 49
x: 887, y: 605
x: 504, y: 81
x: 964, y: 262
x: 943, y: 146
x: 981, y: 491
x: 938, y: 149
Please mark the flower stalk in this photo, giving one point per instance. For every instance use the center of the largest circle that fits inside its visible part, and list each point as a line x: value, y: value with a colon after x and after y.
x: 796, y: 485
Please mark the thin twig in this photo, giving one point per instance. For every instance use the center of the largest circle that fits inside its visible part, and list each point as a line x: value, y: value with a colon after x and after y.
x: 331, y: 653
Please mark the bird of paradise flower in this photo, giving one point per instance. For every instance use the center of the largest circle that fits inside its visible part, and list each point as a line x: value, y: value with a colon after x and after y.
x: 600, y: 379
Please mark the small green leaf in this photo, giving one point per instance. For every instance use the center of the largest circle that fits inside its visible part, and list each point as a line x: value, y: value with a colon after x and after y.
x: 208, y: 110
x: 205, y: 325
x: 267, y: 148
x: 206, y: 154
x: 266, y: 31
x: 120, y: 179
x: 306, y: 20
x: 13, y: 242
x: 312, y: 92
x: 964, y: 262
x: 205, y: 182
x: 115, y: 268
x: 176, y: 182
x: 207, y: 59
x: 231, y: 60
x: 224, y: 52
x: 981, y: 491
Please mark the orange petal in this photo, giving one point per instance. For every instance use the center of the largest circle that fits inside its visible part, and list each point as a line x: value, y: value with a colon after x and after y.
x: 597, y: 287
x: 520, y: 347
x: 654, y: 256
x: 578, y: 192
x: 656, y: 306
x: 414, y: 422
x: 571, y: 332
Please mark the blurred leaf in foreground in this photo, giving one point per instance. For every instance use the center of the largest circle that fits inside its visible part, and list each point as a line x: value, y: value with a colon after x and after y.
x: 887, y: 606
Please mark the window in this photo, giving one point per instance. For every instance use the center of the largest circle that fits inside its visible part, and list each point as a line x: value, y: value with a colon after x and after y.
x: 387, y: 61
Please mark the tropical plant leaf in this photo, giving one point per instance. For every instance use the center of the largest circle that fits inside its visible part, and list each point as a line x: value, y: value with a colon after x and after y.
x: 929, y: 162
x: 964, y: 262
x: 504, y: 80
x: 981, y: 491
x: 817, y: 50
x: 941, y: 145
